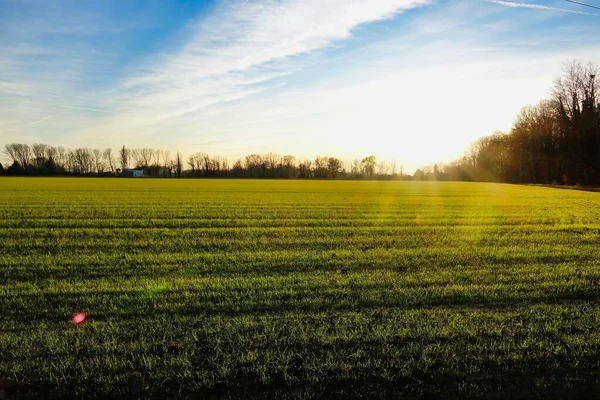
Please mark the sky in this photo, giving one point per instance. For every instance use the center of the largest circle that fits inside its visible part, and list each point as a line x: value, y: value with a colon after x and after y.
x: 415, y: 81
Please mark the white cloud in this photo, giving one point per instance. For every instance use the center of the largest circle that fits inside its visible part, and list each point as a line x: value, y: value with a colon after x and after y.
x: 241, y: 47
x: 39, y: 121
x: 536, y: 7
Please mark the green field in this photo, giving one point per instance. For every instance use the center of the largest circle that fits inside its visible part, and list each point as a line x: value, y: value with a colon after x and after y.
x: 298, y: 289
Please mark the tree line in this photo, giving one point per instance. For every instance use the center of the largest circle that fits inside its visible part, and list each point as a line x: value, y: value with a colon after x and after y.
x: 45, y: 160
x: 556, y: 141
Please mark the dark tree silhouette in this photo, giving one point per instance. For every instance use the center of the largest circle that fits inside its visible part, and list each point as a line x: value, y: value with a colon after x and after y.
x: 124, y: 155
x: 556, y: 141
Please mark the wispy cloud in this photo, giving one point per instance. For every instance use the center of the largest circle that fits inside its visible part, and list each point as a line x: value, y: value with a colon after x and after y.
x: 39, y: 121
x: 85, y: 109
x: 243, y: 47
x: 537, y: 7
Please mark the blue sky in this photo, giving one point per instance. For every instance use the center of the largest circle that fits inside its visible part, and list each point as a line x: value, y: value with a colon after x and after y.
x: 411, y: 80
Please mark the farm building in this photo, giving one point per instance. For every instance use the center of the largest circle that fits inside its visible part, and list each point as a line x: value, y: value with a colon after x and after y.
x: 135, y: 173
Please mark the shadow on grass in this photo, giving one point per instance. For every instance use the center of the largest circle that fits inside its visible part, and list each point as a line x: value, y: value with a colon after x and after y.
x: 542, y: 383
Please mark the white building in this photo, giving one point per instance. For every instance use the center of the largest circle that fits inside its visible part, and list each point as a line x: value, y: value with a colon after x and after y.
x: 136, y: 173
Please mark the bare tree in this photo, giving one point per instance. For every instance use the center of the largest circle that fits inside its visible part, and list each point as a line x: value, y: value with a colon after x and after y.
x: 238, y: 168
x: 368, y: 165
x: 355, y: 169
x: 321, y: 167
x: 305, y: 169
x: 20, y: 153
x: 255, y: 165
x: 109, y: 159
x: 219, y: 164
x: 196, y: 162
x: 62, y: 155
x: 288, y: 166
x: 156, y: 156
x: 166, y: 161
x: 576, y: 88
x: 136, y: 158
x: 98, y: 159
x: 154, y: 166
x: 83, y: 161
x: 224, y: 164
x: 334, y: 165
x: 206, y: 162
x: 39, y: 154
x: 272, y: 163
x: 170, y: 167
x: 192, y: 163
x: 51, y: 154
x: 143, y: 158
x: 70, y: 161
x: 10, y: 149
x: 577, y: 106
x: 383, y: 168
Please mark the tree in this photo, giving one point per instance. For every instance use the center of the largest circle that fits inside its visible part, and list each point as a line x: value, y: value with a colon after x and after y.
x: 355, y: 169
x: 124, y: 156
x: 178, y: 164
x: 368, y: 165
x: 98, y: 161
x: 62, y: 155
x: 20, y: 153
x: 576, y: 102
x: 334, y: 165
x: 305, y: 169
x: 83, y: 161
x: 15, y: 169
x: 109, y: 159
x: 238, y: 168
x: 320, y: 170
x: 206, y: 163
x: 51, y: 153
x: 166, y: 161
x: 254, y: 165
x: 419, y: 175
x: 531, y: 150
x: 192, y: 163
x: 170, y: 167
x: 288, y: 166
x: 383, y: 168
x: 39, y: 154
x: 272, y: 163
x: 218, y: 166
x: 196, y: 162
x: 153, y: 166
x: 224, y: 165
x: 143, y: 158
x: 135, y: 158
x: 393, y: 169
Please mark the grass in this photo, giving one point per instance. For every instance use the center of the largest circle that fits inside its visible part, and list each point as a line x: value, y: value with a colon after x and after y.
x: 297, y: 289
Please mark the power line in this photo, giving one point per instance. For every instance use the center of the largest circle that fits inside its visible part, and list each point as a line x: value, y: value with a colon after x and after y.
x: 582, y: 4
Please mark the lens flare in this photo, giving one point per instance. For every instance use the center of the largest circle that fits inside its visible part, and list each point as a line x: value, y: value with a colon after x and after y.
x: 78, y: 318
